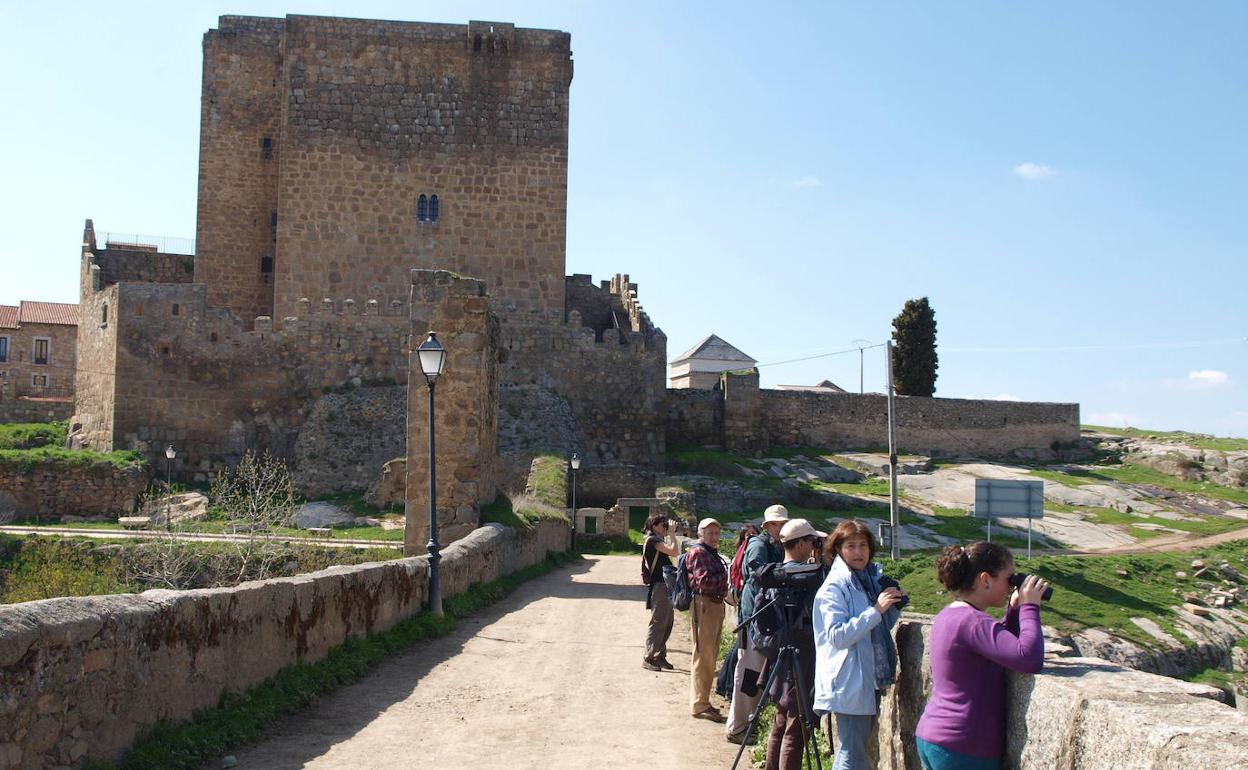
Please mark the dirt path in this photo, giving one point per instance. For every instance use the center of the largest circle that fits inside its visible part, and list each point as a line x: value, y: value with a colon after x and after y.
x: 548, y: 678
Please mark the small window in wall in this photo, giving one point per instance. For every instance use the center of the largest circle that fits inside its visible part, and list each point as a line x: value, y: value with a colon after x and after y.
x: 4, y: 349
x: 104, y: 315
x: 266, y: 269
x: 43, y: 350
x: 138, y: 309
x: 176, y: 309
x: 273, y: 225
x: 433, y: 208
x: 422, y: 208
x: 39, y: 380
x: 266, y: 148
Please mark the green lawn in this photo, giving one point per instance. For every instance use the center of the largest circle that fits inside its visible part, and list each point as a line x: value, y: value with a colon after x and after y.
x: 1088, y: 591
x: 28, y: 435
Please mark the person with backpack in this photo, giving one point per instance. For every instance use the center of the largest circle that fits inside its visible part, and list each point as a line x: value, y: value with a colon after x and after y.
x: 657, y: 553
x: 736, y: 581
x: 759, y: 552
x: 708, y: 582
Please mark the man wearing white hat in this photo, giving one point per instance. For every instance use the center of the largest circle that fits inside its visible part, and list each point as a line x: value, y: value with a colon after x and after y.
x: 708, y: 579
x: 760, y: 551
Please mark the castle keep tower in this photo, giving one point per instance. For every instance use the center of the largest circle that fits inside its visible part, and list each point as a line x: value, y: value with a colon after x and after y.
x: 337, y: 154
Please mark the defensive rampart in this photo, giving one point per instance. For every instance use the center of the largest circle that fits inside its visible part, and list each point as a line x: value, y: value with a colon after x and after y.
x: 1077, y: 714
x: 82, y: 678
x: 740, y: 416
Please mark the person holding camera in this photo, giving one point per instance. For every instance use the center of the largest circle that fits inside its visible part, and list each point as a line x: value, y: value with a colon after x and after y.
x: 657, y: 553
x: 855, y: 657
x: 759, y: 552
x: 788, y: 731
x: 708, y: 579
x: 963, y: 724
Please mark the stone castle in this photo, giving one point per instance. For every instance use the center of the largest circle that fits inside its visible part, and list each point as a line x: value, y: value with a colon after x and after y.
x: 361, y: 182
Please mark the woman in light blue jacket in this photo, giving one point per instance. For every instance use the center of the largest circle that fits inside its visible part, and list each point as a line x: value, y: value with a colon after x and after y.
x: 854, y: 653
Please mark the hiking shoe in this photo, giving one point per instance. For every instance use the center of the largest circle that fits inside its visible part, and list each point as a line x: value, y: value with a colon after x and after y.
x: 712, y: 714
x: 663, y: 664
x: 650, y: 665
x: 739, y: 738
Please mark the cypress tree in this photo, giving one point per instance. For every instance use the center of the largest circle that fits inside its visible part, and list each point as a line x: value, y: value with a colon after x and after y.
x: 914, y: 349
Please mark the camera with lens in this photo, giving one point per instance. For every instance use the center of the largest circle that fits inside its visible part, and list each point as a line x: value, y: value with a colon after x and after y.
x: 1016, y: 581
x: 888, y: 582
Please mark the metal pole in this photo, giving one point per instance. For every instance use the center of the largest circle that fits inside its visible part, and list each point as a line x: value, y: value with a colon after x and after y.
x: 168, y: 489
x: 574, y: 509
x: 894, y: 518
x: 435, y: 584
x: 860, y: 370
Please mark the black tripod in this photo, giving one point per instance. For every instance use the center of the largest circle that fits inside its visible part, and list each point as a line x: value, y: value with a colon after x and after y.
x: 789, y: 661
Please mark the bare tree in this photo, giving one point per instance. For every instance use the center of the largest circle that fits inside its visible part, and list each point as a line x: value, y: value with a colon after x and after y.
x: 258, y: 494
x: 165, y: 561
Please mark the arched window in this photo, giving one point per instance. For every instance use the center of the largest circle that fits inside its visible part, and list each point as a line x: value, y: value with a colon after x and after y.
x: 422, y: 208
x: 433, y: 208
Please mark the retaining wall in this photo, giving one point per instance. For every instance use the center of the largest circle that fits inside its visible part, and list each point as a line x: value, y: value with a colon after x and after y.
x: 82, y: 678
x: 51, y: 487
x: 35, y: 409
x: 1077, y: 714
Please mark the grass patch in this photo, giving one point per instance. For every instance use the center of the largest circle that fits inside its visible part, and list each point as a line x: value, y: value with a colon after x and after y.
x: 961, y: 526
x: 1088, y: 591
x: 1139, y: 474
x: 29, y: 435
x: 691, y: 458
x: 240, y: 719
x: 1198, y: 440
x: 522, y: 514
x: 548, y: 480
x: 872, y: 485
x: 27, y: 460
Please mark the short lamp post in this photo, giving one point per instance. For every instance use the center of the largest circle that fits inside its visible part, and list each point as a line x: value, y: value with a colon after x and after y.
x: 169, y: 455
x: 575, y: 462
x: 432, y: 358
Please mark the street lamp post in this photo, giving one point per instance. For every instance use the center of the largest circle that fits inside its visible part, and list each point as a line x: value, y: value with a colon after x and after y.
x: 432, y: 357
x: 169, y: 455
x: 575, y: 462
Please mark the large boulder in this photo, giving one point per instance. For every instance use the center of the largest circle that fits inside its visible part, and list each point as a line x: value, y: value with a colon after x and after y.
x: 174, y: 509
x: 322, y: 514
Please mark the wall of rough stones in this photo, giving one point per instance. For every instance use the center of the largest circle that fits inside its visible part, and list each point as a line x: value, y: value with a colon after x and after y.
x: 53, y: 487
x: 752, y: 419
x: 82, y: 678
x: 1077, y: 714
x: 35, y: 409
x: 616, y: 386
x: 348, y: 437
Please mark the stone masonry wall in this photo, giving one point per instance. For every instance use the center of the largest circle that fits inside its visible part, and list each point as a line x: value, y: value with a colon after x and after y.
x: 51, y: 487
x: 1077, y: 714
x: 95, y: 380
x: 465, y: 408
x: 754, y: 419
x: 82, y: 678
x: 348, y: 437
x: 35, y: 409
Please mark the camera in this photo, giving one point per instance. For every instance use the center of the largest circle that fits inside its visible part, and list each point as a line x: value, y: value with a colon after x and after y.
x: 1016, y: 581
x: 799, y: 577
x: 888, y: 582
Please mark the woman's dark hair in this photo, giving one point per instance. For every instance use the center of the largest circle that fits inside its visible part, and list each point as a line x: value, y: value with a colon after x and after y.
x: 654, y: 521
x: 844, y: 531
x: 957, y: 566
x: 748, y: 531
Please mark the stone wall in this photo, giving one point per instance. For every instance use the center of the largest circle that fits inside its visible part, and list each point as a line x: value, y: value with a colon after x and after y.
x: 348, y: 437
x: 1077, y: 714
x: 55, y: 488
x: 750, y: 419
x: 602, y: 485
x: 465, y: 408
x: 35, y: 409
x: 82, y: 678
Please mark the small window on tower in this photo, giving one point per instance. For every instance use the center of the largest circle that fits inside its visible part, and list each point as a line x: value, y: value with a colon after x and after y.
x: 266, y: 148
x: 273, y: 225
x: 433, y: 208
x: 176, y: 309
x: 266, y: 269
x: 422, y: 208
x: 104, y: 315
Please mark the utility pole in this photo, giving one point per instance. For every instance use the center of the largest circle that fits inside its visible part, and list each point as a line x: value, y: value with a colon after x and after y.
x: 894, y: 518
x: 860, y: 343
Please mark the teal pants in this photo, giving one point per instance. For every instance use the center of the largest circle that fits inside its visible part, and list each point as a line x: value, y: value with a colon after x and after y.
x: 936, y: 758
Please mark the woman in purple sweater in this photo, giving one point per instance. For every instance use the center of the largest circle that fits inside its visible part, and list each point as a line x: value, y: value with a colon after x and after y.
x: 963, y: 725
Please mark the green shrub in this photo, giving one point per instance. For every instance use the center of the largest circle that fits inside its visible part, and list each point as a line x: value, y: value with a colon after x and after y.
x: 26, y: 460
x: 29, y: 435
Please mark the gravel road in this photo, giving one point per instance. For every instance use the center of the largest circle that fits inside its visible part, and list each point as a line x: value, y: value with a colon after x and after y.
x: 549, y: 678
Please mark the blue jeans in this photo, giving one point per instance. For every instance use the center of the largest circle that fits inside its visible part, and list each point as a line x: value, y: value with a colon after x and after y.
x: 939, y: 758
x: 852, y: 733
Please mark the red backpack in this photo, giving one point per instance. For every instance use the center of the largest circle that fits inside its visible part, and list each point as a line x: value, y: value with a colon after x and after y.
x: 736, y: 575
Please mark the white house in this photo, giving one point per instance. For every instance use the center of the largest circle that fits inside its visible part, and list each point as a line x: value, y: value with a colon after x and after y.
x: 700, y: 366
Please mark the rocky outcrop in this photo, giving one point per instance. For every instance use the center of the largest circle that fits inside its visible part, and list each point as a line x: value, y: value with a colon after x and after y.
x: 1188, y: 462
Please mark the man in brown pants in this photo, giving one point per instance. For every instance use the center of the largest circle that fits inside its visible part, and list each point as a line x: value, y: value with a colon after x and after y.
x: 708, y: 579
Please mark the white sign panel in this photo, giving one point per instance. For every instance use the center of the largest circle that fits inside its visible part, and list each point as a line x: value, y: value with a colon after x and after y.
x: 1001, y: 498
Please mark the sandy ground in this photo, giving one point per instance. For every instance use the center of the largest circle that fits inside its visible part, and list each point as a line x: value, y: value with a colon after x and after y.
x: 549, y: 678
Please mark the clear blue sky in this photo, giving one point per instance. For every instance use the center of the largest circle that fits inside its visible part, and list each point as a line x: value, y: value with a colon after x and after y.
x: 1066, y: 181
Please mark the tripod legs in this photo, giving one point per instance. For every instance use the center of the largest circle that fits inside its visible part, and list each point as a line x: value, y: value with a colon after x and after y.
x: 790, y: 662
